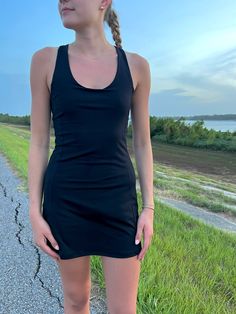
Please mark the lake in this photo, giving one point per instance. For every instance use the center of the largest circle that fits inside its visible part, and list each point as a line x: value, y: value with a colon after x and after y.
x: 218, y: 125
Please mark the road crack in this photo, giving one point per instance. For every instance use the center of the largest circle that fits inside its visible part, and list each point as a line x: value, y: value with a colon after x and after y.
x: 38, y: 255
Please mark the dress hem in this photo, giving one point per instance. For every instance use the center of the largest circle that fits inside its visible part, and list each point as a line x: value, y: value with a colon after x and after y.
x: 99, y: 253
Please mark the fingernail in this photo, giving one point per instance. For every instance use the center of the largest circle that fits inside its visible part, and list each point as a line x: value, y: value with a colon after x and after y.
x: 56, y: 247
x: 136, y: 241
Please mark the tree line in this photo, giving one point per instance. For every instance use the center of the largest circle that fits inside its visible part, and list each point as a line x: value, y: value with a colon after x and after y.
x: 167, y: 130
x: 171, y: 131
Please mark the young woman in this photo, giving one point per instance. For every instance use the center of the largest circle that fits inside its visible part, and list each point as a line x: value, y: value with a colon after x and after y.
x: 88, y: 186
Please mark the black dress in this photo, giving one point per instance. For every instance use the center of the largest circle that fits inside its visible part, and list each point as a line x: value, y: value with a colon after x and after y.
x: 89, y: 187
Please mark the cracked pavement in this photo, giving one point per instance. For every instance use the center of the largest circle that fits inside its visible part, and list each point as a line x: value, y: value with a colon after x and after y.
x: 30, y: 281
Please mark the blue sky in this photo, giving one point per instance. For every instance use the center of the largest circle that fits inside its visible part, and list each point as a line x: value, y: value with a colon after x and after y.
x: 190, y: 46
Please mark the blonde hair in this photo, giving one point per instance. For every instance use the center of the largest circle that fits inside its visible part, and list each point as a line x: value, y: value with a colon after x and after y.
x: 112, y: 20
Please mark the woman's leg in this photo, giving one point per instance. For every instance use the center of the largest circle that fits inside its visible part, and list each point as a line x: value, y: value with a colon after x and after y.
x: 121, y: 276
x: 76, y: 281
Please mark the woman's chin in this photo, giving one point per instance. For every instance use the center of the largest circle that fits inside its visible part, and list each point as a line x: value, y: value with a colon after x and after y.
x: 69, y: 24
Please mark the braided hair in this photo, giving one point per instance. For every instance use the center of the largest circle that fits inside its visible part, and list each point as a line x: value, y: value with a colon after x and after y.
x: 112, y: 20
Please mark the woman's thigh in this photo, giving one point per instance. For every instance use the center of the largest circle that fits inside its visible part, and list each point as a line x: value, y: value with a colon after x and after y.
x: 121, y: 277
x: 76, y: 277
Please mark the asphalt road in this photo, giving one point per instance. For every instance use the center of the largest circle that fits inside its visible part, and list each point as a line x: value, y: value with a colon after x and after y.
x: 30, y: 281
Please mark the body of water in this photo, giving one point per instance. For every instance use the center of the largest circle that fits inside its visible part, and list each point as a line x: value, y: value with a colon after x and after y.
x: 218, y: 125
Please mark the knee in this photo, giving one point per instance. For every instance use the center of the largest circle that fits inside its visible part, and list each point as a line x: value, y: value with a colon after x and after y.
x: 122, y: 309
x: 77, y: 300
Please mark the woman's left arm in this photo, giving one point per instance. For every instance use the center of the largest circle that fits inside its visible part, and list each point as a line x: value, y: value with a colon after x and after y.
x: 143, y: 149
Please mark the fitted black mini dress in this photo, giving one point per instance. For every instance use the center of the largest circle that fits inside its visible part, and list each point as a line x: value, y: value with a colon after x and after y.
x: 89, y: 186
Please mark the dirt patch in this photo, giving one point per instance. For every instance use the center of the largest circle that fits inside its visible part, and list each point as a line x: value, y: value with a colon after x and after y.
x: 218, y: 165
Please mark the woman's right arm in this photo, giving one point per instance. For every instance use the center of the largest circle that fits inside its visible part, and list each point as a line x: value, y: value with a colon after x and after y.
x: 39, y: 148
x: 40, y: 128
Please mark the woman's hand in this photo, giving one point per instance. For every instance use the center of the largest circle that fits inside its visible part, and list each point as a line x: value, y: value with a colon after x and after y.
x: 145, y: 225
x: 41, y: 231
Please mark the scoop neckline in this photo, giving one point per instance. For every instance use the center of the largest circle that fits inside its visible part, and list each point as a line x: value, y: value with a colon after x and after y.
x: 89, y: 88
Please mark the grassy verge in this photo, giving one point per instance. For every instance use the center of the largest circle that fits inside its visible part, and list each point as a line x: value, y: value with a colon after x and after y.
x: 189, y: 267
x: 196, y: 186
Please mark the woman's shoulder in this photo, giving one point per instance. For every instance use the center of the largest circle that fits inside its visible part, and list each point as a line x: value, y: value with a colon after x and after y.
x: 136, y: 59
x: 44, y: 59
x: 44, y: 53
x: 45, y: 56
x: 138, y: 63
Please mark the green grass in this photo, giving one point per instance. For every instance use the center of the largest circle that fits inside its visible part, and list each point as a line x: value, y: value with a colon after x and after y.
x: 14, y: 144
x: 15, y: 148
x: 189, y: 267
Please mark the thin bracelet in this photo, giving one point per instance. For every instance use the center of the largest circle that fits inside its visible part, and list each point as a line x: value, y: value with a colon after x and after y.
x: 148, y: 207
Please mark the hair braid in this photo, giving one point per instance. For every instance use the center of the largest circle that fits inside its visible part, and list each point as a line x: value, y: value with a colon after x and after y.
x: 113, y: 22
